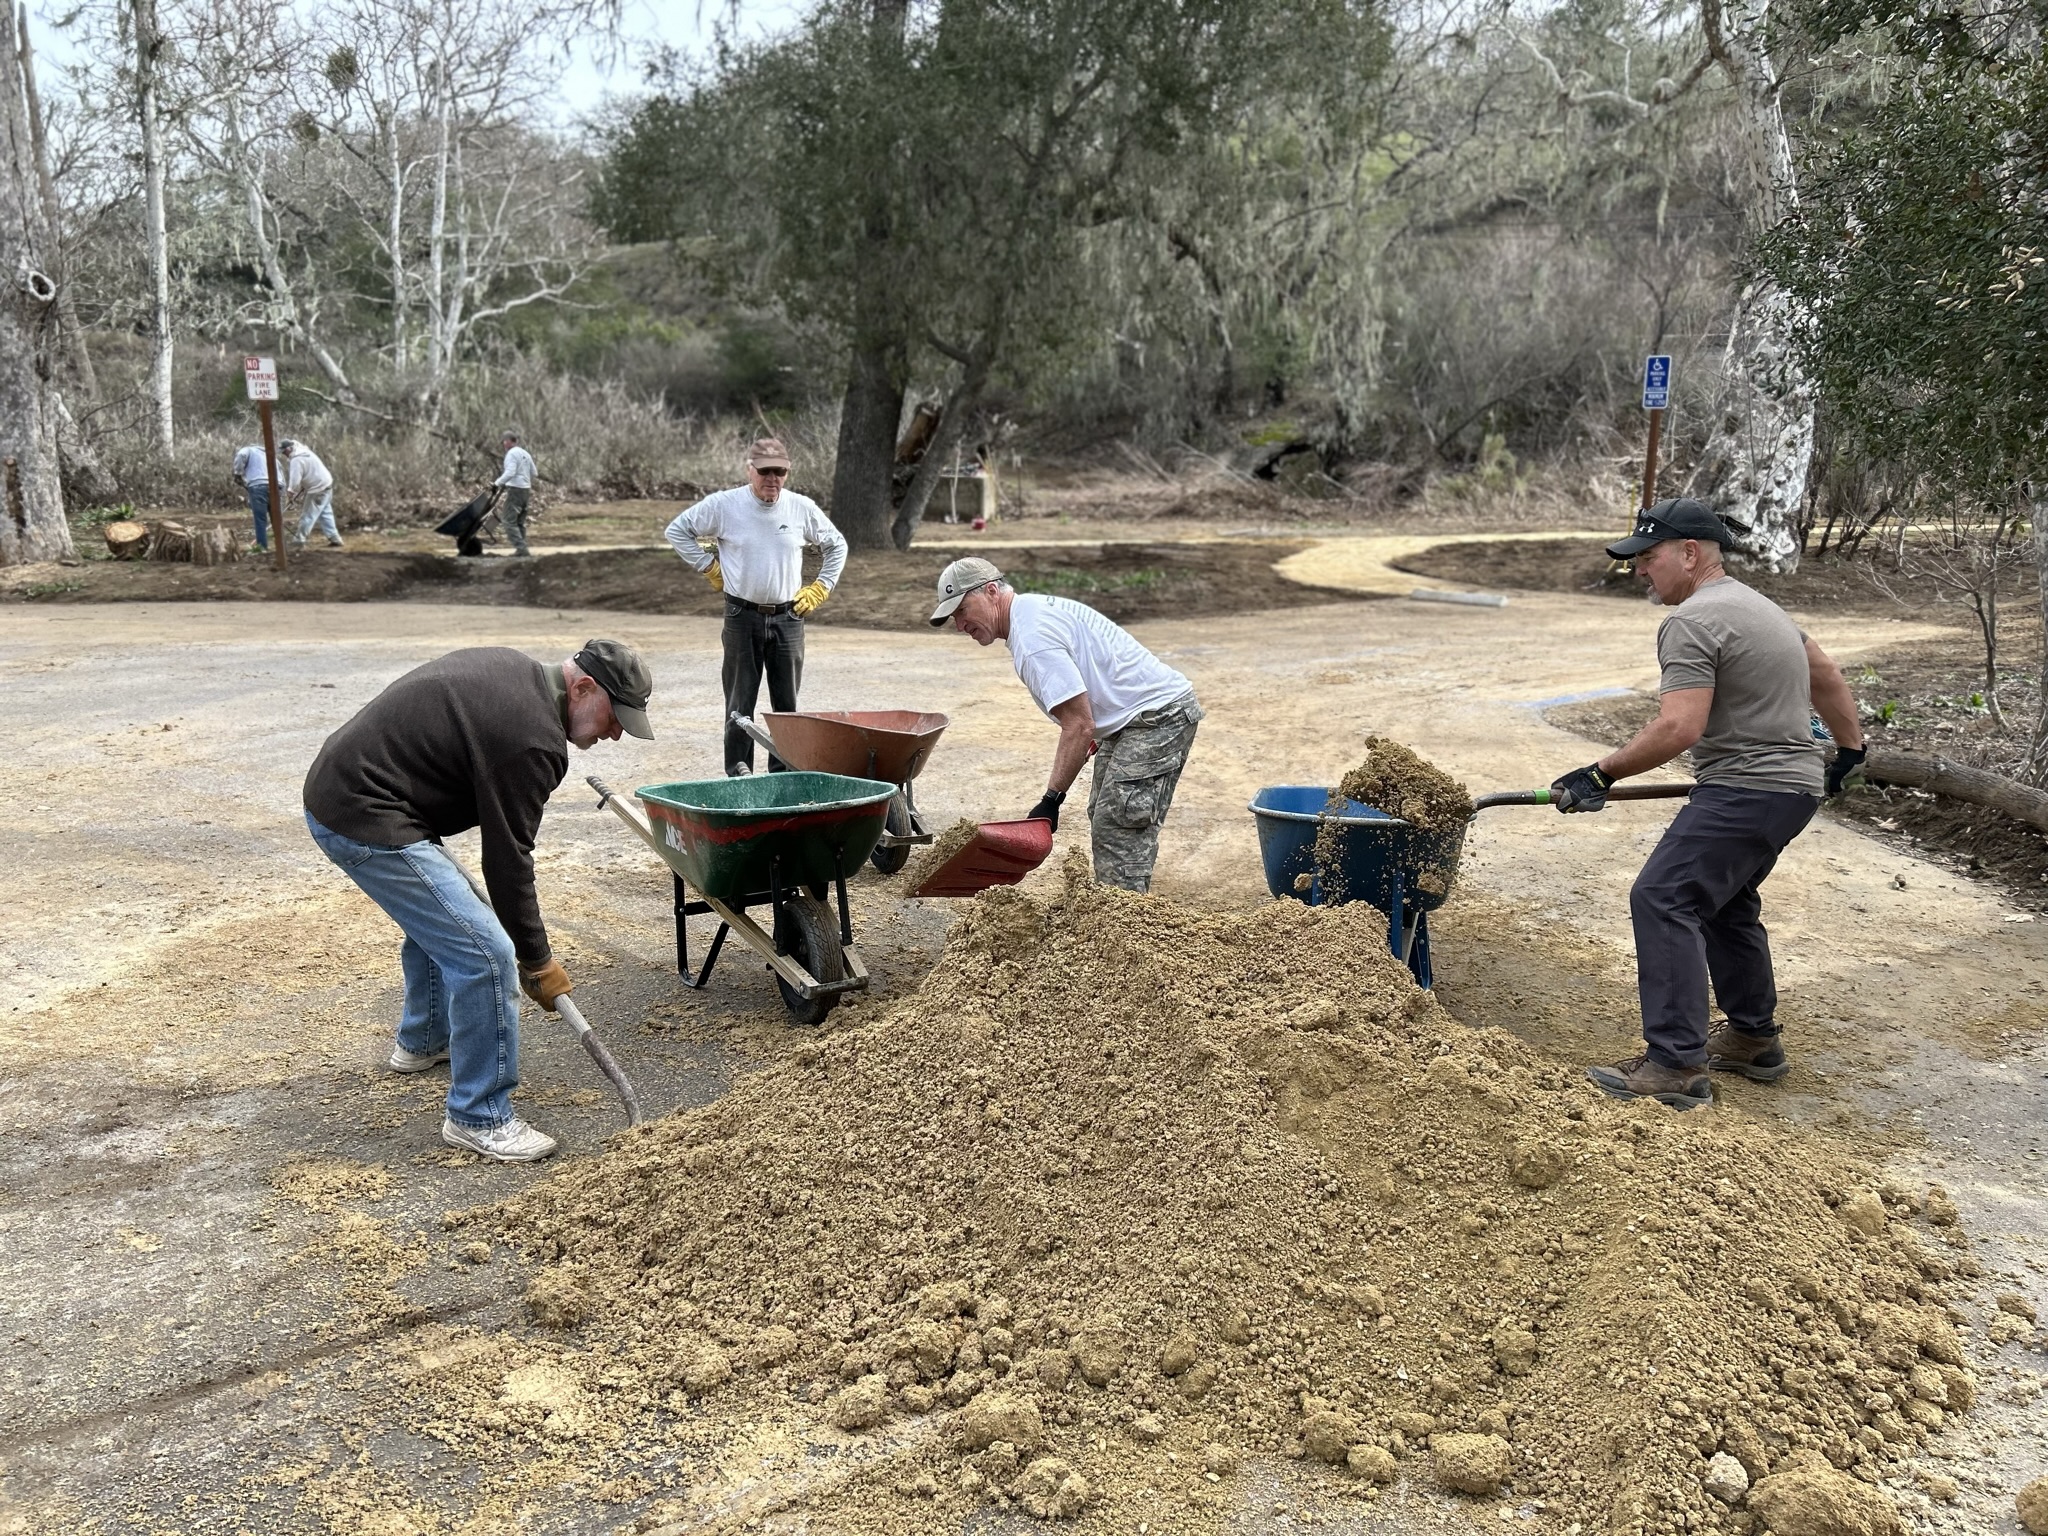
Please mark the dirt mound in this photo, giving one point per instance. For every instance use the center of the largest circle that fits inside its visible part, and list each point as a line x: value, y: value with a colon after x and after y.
x: 1138, y: 1189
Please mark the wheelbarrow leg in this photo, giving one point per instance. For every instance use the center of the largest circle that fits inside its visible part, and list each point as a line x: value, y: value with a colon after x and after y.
x: 683, y: 941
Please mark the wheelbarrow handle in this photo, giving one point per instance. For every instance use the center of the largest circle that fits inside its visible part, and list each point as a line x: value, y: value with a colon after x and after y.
x: 1618, y: 792
x: 607, y: 797
x: 761, y: 738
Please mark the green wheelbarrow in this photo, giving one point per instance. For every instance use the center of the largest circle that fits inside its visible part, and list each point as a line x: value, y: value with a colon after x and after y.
x: 781, y: 840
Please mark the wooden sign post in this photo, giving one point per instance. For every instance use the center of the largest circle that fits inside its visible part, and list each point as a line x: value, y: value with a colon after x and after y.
x: 1656, y: 399
x: 260, y: 373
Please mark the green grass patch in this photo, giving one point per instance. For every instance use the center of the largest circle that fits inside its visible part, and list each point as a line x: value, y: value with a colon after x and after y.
x: 1062, y: 582
x: 52, y: 588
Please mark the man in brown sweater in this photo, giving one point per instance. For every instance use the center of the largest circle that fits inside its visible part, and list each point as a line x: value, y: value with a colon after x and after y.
x: 479, y: 739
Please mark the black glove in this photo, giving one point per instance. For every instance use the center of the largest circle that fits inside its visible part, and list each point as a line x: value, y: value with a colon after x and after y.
x: 1048, y: 808
x: 1848, y: 760
x: 1583, y: 789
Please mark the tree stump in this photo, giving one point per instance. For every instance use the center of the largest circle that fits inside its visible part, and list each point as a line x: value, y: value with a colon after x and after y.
x: 169, y: 541
x: 126, y: 540
x: 215, y: 545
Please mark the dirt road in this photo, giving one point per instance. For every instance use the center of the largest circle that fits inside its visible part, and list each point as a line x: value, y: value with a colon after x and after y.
x: 214, y: 1196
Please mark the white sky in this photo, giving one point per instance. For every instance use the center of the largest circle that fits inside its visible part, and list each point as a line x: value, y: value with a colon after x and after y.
x: 646, y: 26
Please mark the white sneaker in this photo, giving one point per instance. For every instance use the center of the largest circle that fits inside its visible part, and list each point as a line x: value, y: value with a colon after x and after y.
x: 402, y: 1060
x: 513, y: 1142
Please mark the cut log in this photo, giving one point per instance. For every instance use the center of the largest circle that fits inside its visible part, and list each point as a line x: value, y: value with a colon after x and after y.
x: 169, y: 541
x: 126, y: 540
x: 1944, y: 776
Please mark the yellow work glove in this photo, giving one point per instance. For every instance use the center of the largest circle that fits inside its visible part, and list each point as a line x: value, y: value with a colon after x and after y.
x: 716, y: 577
x: 545, y: 983
x: 811, y: 599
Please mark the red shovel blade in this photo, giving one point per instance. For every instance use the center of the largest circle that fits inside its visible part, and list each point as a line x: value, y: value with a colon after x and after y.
x: 1002, y: 853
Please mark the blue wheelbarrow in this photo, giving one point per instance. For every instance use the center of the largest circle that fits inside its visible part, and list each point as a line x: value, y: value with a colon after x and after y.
x: 1397, y: 867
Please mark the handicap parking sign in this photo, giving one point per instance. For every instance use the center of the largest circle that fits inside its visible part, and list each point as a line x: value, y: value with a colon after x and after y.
x: 1657, y: 383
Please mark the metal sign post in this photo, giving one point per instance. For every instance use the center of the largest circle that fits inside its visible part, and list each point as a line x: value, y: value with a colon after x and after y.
x: 260, y: 374
x: 1656, y: 399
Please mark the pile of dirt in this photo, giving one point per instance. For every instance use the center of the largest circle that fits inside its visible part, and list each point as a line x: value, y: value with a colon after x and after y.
x: 929, y: 860
x: 1128, y: 1192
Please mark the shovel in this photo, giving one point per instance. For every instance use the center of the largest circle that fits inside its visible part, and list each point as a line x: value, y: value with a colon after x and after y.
x: 1618, y: 792
x: 566, y: 1009
x: 1000, y: 853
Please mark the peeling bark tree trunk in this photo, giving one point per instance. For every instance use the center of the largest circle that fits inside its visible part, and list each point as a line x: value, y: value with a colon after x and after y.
x: 71, y: 353
x: 32, y: 525
x: 2037, y: 495
x: 1760, y: 449
x: 862, y: 471
x: 147, y: 42
x: 959, y: 404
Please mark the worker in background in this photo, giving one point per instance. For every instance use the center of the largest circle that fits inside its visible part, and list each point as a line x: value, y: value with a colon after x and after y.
x: 1740, y: 686
x: 1107, y: 694
x: 479, y: 739
x: 308, y: 484
x: 252, y: 479
x: 517, y: 480
x: 749, y: 542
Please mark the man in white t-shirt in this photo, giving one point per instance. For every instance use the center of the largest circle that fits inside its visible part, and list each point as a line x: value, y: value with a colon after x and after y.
x: 1106, y: 692
x: 749, y: 543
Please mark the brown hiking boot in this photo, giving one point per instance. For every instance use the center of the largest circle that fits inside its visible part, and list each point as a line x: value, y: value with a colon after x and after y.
x: 1641, y: 1078
x: 1760, y: 1058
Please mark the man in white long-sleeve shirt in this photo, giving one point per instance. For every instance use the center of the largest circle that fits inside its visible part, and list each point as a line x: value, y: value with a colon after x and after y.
x: 309, y: 483
x: 517, y: 479
x: 252, y: 479
x: 759, y: 531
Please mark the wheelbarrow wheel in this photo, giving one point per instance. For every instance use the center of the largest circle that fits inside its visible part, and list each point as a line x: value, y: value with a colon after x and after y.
x: 807, y: 932
x: 889, y: 860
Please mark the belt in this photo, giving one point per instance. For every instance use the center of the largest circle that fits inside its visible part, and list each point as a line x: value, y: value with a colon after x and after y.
x: 739, y: 605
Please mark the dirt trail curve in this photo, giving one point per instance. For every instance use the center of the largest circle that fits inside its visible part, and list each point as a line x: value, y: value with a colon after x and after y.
x: 199, y: 1140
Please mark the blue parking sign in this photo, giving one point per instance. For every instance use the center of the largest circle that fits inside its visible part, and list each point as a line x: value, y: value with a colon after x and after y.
x: 1657, y: 383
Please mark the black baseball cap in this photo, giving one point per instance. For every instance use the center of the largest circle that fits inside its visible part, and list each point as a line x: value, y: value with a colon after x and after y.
x: 1682, y: 517
x: 618, y: 670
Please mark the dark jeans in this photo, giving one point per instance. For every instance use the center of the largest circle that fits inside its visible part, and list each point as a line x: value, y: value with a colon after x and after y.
x: 758, y: 644
x: 258, y: 493
x: 1697, y: 916
x: 518, y: 501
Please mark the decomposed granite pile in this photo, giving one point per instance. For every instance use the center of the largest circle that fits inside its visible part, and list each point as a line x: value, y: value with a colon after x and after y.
x: 1127, y: 1194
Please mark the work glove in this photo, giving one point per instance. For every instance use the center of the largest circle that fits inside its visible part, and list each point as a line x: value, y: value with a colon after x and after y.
x: 1847, y: 765
x: 545, y: 983
x: 1048, y: 808
x: 1583, y: 789
x: 811, y: 599
x: 716, y: 577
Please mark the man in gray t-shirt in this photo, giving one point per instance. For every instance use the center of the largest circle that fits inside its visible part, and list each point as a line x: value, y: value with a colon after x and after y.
x: 1739, y: 688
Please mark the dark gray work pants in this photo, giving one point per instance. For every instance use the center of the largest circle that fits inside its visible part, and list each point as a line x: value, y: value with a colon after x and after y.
x: 1698, y: 916
x: 758, y: 645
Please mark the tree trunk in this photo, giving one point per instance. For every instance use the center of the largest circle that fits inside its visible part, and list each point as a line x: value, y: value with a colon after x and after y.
x: 952, y: 421
x: 2037, y: 495
x: 32, y: 525
x: 147, y: 43
x: 1760, y: 449
x: 71, y: 353
x: 1943, y: 776
x: 861, y: 473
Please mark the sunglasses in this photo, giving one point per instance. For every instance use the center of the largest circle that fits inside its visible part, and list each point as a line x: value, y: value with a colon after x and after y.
x: 779, y: 474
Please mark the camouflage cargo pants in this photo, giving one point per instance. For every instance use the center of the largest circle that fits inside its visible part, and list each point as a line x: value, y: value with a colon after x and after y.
x: 1136, y: 771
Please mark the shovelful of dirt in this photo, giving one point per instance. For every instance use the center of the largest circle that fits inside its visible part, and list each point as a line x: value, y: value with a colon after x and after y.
x: 1127, y: 1194
x: 1398, y: 781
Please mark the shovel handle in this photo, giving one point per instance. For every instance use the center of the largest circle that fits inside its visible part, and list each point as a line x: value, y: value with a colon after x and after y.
x: 1618, y: 792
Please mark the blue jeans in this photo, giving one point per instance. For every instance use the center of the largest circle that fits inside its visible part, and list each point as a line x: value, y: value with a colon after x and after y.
x: 461, y: 976
x: 258, y: 492
x: 319, y: 513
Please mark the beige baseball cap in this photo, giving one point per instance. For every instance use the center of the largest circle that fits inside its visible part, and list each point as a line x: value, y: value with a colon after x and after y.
x: 959, y: 579
x: 768, y: 453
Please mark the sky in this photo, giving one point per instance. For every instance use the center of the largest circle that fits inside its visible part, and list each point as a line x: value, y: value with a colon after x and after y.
x: 591, y: 73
